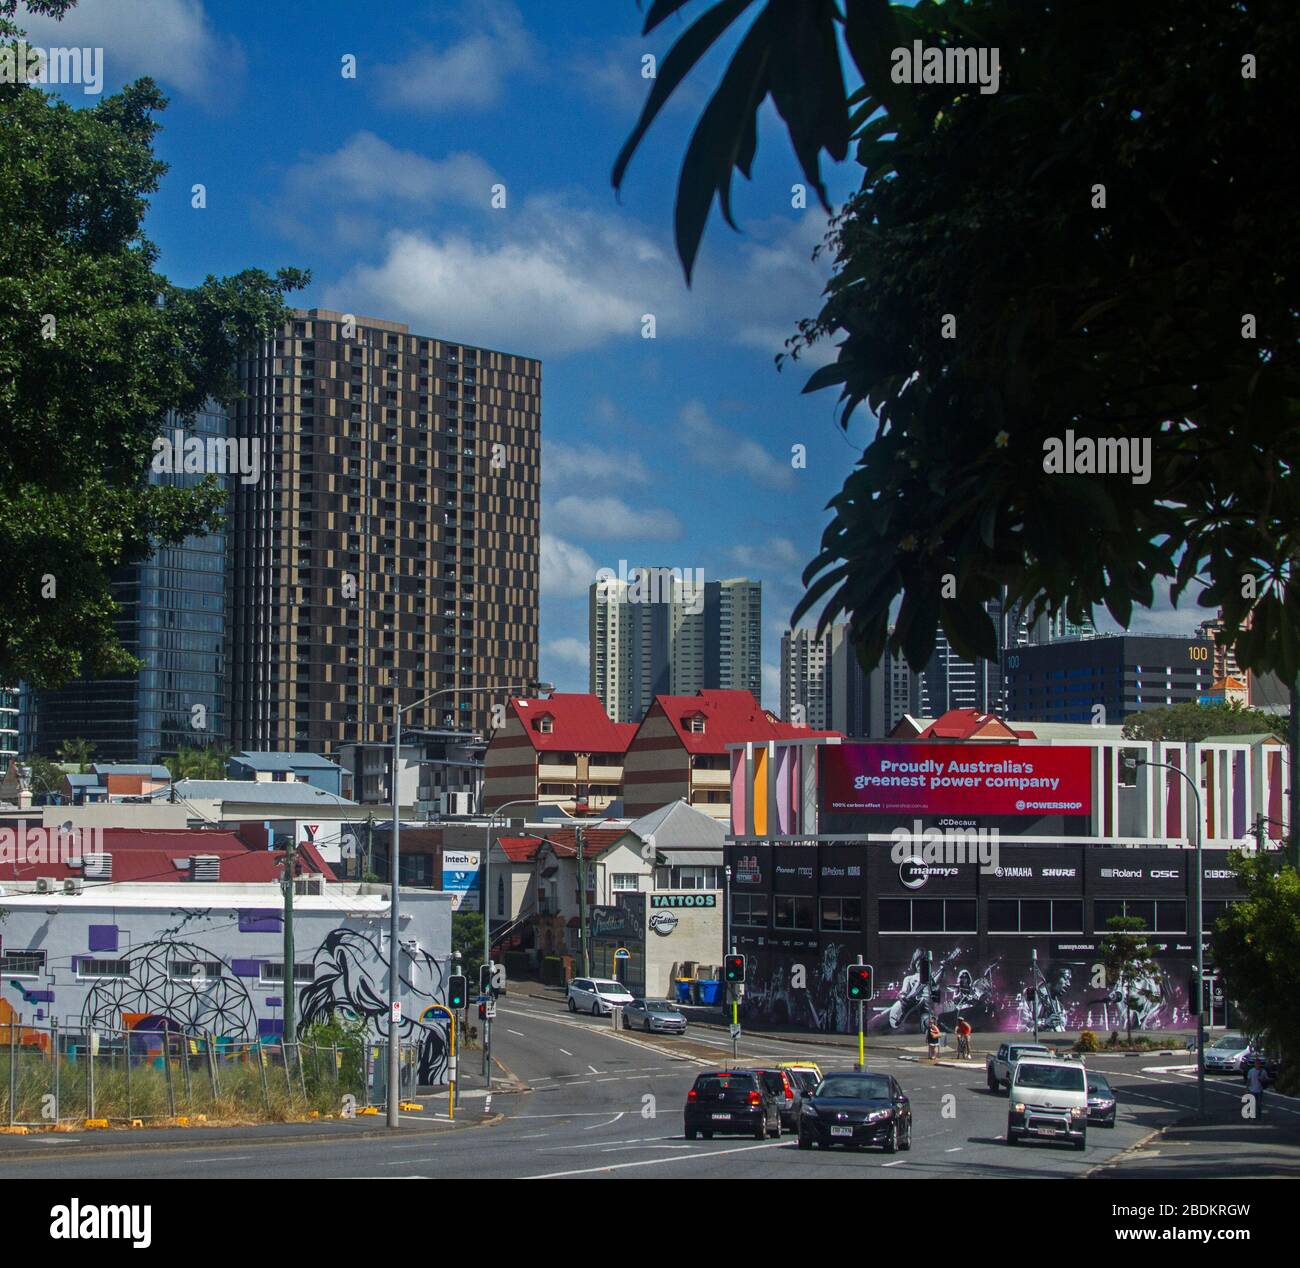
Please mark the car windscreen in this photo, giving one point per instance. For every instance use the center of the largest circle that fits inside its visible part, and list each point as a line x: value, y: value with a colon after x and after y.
x: 660, y: 1006
x: 1056, y: 1078
x: 611, y: 988
x: 806, y: 1080
x: 871, y: 1087
x: 715, y: 1085
x: 1098, y: 1083
x: 774, y: 1083
x: 1018, y: 1054
x: 1234, y: 1043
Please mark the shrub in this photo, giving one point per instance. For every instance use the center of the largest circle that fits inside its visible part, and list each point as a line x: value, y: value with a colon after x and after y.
x: 1087, y: 1042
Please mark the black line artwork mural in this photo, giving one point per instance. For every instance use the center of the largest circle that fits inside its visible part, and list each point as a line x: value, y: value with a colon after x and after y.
x: 153, y: 997
x: 342, y: 983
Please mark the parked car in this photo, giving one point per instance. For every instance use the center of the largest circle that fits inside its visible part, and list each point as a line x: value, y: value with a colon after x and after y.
x: 1228, y: 1054
x: 731, y: 1101
x: 1000, y: 1065
x: 1101, y: 1100
x: 782, y: 1086
x: 654, y: 1015
x: 1048, y: 1100
x: 856, y: 1109
x: 597, y: 995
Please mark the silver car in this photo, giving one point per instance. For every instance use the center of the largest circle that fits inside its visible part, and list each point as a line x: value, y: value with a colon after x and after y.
x: 1228, y: 1054
x: 654, y: 1015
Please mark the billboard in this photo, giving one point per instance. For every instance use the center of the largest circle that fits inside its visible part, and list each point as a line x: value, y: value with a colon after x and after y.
x: 939, y: 779
x: 460, y: 878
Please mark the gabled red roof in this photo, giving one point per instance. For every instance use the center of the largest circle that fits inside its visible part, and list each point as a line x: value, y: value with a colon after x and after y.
x: 968, y: 724
x: 730, y: 717
x: 595, y: 841
x: 579, y: 724
x: 519, y: 849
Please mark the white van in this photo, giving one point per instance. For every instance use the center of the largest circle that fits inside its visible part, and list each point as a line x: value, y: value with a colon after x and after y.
x: 1048, y: 1101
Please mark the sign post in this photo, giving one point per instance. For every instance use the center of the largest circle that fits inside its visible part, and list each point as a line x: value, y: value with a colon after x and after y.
x: 451, y: 1056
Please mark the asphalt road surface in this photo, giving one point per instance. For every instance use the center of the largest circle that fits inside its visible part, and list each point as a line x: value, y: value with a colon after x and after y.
x: 608, y: 1104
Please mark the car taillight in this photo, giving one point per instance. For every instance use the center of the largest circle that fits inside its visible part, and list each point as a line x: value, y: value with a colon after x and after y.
x: 755, y: 1099
x: 690, y: 1096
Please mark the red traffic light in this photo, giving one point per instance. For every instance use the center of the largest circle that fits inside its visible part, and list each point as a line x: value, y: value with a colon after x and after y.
x: 859, y: 981
x: 734, y: 968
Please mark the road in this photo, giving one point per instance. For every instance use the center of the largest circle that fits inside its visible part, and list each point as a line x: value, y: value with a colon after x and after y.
x: 606, y: 1104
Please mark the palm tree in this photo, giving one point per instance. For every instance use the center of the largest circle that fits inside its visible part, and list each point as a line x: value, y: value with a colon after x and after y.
x: 79, y: 751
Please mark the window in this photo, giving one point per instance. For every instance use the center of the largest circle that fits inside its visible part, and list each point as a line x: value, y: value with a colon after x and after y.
x: 1035, y: 915
x: 1105, y: 909
x: 749, y: 910
x: 189, y: 970
x: 103, y: 968
x: 792, y: 911
x: 695, y: 724
x: 927, y: 915
x: 624, y: 882
x: 841, y: 913
x: 273, y: 973
x: 501, y: 895
x: 694, y: 877
x: 22, y: 963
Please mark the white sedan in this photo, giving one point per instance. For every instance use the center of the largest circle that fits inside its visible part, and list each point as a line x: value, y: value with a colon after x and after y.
x: 597, y: 995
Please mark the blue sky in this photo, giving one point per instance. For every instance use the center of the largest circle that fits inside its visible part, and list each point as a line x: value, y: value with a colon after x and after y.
x: 672, y: 451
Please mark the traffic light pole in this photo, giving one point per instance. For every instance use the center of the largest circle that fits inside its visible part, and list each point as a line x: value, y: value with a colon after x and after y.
x: 862, y: 1039
x: 1033, y: 999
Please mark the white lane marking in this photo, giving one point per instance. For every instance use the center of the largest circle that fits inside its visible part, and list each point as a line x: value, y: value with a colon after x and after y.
x: 659, y: 1162
x: 957, y: 1150
x: 615, y: 1119
x: 899, y: 1163
x: 593, y: 1069
x: 520, y: 1033
x: 487, y: 1104
x: 566, y: 1052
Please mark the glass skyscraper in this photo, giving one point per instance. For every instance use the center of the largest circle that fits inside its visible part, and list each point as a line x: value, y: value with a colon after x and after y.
x: 171, y: 616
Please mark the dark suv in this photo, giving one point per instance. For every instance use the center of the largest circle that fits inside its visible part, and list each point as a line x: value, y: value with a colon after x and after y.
x: 731, y: 1101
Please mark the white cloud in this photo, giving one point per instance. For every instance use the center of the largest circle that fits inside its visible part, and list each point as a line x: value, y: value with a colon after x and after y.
x: 565, y: 465
x: 777, y: 554
x: 367, y: 169
x: 467, y: 74
x: 566, y: 570
x: 606, y: 517
x: 173, y: 41
x: 710, y: 442
x: 568, y: 651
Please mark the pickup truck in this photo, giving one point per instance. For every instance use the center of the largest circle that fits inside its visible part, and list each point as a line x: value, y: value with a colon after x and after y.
x: 999, y: 1066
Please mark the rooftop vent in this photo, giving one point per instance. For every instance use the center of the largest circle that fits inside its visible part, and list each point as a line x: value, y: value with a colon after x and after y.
x: 205, y: 867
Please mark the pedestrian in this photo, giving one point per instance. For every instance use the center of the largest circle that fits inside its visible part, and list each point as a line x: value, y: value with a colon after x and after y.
x: 933, y: 1037
x: 1257, y: 1081
x: 963, y: 1037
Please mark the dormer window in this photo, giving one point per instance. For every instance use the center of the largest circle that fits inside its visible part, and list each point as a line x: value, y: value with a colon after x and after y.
x: 546, y: 724
x: 695, y: 724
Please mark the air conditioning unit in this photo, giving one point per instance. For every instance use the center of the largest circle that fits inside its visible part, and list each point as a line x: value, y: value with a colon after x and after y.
x: 45, y: 884
x: 314, y: 885
x: 456, y: 803
x: 72, y: 885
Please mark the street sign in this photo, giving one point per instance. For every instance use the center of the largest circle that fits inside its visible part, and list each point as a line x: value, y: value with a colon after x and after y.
x: 735, y: 1031
x: 622, y: 954
x: 397, y: 1012
x: 491, y: 1012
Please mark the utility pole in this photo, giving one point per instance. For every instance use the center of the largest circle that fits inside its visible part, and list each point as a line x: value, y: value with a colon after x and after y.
x: 286, y: 882
x: 394, y: 921
x: 582, y: 901
x: 1293, y: 779
x: 1033, y: 999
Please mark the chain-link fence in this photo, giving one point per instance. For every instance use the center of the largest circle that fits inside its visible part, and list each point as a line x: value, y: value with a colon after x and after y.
x: 51, y: 1074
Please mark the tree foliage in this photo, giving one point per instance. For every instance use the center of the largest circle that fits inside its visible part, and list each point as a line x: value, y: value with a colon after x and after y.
x: 1197, y: 721
x: 96, y: 348
x: 1257, y: 951
x: 1123, y: 321
x: 198, y: 763
x: 1130, y: 965
x: 77, y: 752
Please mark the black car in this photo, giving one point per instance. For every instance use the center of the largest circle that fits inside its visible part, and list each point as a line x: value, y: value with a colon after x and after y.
x: 735, y: 1101
x: 854, y: 1110
x: 1101, y: 1100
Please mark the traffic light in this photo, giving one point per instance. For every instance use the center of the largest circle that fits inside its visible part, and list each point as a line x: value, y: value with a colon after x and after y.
x: 484, y: 978
x: 456, y: 992
x: 860, y: 982
x: 734, y: 969
x: 482, y: 1010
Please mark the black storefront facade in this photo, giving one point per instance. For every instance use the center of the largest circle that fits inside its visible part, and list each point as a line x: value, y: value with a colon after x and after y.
x: 802, y: 913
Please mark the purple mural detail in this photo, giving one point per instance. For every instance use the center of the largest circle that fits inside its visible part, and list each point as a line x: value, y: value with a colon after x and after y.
x: 260, y: 920
x: 246, y: 968
x: 103, y: 938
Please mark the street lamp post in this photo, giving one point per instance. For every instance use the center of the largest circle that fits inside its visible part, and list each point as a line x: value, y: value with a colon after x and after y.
x: 1200, y: 936
x: 394, y: 905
